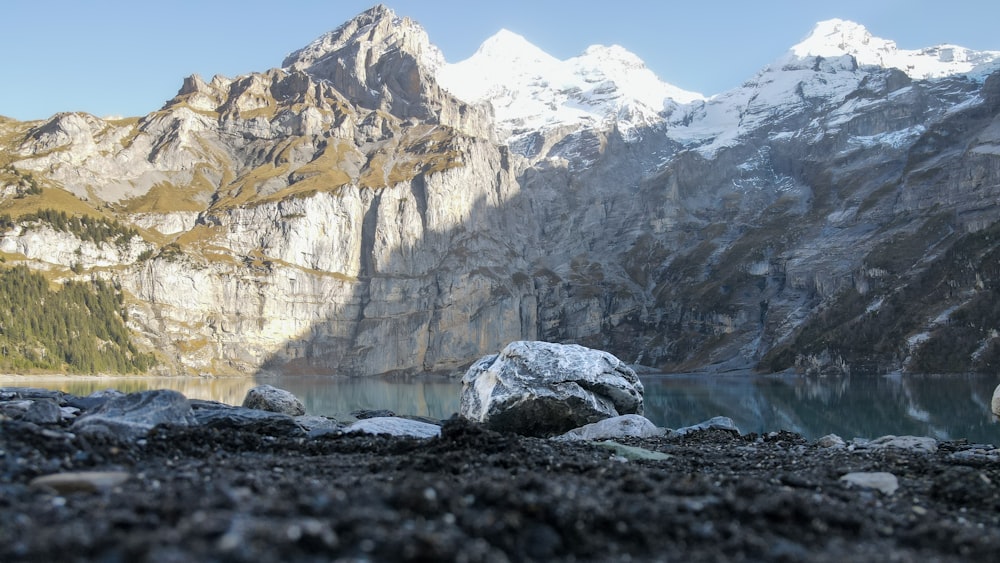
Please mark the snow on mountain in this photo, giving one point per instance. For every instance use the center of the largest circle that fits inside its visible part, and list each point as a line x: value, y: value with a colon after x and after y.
x: 834, y: 38
x: 825, y: 68
x: 531, y: 90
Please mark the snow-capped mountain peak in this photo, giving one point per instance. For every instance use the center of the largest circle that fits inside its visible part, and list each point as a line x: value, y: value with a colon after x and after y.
x: 505, y: 45
x: 531, y: 90
x: 836, y: 37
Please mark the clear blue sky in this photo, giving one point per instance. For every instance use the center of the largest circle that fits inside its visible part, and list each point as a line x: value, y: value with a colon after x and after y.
x: 118, y: 57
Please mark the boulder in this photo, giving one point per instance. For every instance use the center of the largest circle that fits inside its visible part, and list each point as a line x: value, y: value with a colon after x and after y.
x: 995, y: 404
x: 272, y: 399
x: 624, y: 426
x: 132, y: 416
x: 544, y: 389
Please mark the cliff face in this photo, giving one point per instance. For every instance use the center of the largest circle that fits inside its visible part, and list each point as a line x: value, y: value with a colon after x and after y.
x: 347, y: 214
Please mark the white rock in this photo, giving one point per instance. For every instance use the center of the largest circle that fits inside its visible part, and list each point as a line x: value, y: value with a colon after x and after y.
x: 395, y: 426
x: 882, y: 481
x: 914, y: 443
x: 831, y: 441
x: 541, y: 389
x: 995, y: 404
x: 626, y: 425
x: 269, y: 398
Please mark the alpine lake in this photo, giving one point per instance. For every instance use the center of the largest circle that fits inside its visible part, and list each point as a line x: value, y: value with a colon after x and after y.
x: 946, y: 407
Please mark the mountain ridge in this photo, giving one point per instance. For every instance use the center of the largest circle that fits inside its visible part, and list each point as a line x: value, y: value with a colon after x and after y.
x: 348, y: 214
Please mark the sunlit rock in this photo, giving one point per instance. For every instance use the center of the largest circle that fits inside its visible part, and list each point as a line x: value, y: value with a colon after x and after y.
x: 395, y: 426
x: 624, y: 426
x: 541, y: 389
x: 269, y: 398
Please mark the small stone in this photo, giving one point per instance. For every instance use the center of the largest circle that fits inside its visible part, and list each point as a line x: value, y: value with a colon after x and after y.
x: 879, y: 480
x: 81, y: 481
x: 362, y: 414
x: 627, y: 425
x: 272, y: 399
x: 395, y: 426
x: 632, y: 453
x: 714, y: 423
x: 831, y: 441
x: 913, y: 443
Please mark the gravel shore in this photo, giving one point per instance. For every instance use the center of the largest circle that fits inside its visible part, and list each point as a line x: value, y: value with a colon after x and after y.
x: 260, y: 492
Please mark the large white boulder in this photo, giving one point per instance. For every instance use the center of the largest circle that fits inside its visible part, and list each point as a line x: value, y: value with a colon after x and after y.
x: 995, y: 406
x: 544, y: 389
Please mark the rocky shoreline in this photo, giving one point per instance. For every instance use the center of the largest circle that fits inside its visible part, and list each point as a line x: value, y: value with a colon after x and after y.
x: 228, y: 483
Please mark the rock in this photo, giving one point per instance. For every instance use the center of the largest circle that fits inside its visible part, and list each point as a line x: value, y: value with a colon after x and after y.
x: 626, y: 425
x: 831, y: 441
x: 43, y: 411
x: 995, y: 403
x: 132, y: 416
x: 269, y: 398
x: 882, y: 481
x: 913, y: 443
x: 220, y: 415
x: 542, y: 389
x: 362, y: 414
x: 633, y: 453
x: 316, y: 426
x: 714, y: 423
x: 94, y: 400
x: 395, y: 426
x: 82, y: 481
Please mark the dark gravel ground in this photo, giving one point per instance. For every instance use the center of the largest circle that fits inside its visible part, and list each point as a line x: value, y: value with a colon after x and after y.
x: 258, y: 494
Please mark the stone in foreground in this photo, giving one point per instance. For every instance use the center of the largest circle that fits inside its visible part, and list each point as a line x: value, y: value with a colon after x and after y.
x: 624, y: 426
x: 395, y: 426
x: 878, y: 480
x: 544, y: 389
x: 132, y: 416
x: 272, y: 399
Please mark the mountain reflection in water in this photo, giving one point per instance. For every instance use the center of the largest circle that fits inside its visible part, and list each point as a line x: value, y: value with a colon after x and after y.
x: 941, y: 406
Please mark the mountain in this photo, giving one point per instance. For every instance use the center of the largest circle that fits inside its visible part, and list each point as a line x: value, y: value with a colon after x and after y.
x: 370, y: 208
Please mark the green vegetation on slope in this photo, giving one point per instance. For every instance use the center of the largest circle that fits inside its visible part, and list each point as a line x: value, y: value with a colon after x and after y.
x: 78, y: 329
x: 84, y: 227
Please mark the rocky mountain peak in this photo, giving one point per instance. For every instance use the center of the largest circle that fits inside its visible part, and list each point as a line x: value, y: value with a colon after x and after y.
x: 378, y: 61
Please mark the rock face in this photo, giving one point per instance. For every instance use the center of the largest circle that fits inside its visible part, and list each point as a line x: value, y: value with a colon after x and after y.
x: 349, y: 213
x: 542, y: 389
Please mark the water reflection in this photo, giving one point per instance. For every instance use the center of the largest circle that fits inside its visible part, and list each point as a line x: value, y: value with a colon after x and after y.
x: 945, y: 407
